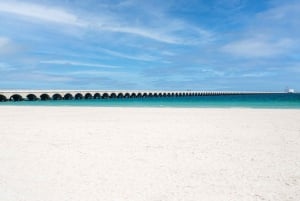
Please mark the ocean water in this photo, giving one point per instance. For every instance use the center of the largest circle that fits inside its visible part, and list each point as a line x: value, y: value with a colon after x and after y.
x: 283, y: 100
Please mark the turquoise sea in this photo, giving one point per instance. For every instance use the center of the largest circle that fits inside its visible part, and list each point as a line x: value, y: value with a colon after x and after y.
x: 284, y: 100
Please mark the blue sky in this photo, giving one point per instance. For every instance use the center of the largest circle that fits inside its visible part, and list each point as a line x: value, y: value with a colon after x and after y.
x: 157, y: 45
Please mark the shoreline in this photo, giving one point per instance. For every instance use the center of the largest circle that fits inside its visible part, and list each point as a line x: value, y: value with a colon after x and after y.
x: 82, y: 107
x: 155, y: 107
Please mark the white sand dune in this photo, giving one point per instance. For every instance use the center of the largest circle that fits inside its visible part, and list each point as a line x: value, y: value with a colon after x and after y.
x: 149, y: 154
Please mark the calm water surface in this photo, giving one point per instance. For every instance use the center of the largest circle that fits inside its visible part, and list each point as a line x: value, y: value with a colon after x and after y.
x: 283, y: 100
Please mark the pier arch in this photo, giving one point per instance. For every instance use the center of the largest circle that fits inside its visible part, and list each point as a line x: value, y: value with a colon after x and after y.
x: 88, y: 96
x: 68, y: 96
x: 57, y: 97
x: 133, y: 95
x: 113, y: 95
x: 78, y: 96
x: 97, y: 96
x: 45, y: 97
x: 120, y: 95
x: 127, y: 95
x: 32, y: 97
x: 2, y: 98
x: 105, y: 96
x: 16, y: 97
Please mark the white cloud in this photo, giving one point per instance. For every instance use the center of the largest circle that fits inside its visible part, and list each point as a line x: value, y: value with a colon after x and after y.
x: 40, y: 12
x: 164, y: 29
x: 257, y: 47
x: 45, y: 77
x: 127, y: 56
x: 143, y: 32
x: 4, y: 42
x: 75, y: 63
x: 273, y: 32
x: 292, y: 67
x: 91, y: 73
x: 257, y: 74
x: 5, y: 67
x: 7, y: 46
x: 282, y: 11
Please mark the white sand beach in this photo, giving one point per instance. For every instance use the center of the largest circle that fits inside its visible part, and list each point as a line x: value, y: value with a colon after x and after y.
x: 149, y: 154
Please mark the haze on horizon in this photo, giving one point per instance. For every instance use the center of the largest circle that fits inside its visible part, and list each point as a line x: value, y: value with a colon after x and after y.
x: 134, y: 44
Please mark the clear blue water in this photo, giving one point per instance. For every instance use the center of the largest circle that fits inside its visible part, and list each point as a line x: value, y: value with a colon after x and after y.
x: 283, y: 100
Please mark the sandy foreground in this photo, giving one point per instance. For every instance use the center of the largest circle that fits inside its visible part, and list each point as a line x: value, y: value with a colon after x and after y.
x: 149, y: 154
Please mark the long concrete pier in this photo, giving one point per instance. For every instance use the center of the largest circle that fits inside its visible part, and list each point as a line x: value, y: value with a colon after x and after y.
x: 34, y: 95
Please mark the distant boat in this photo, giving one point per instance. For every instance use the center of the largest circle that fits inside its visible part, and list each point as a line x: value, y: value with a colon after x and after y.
x: 289, y: 90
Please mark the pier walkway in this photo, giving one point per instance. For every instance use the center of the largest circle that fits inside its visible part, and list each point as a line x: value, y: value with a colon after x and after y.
x: 33, y: 95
